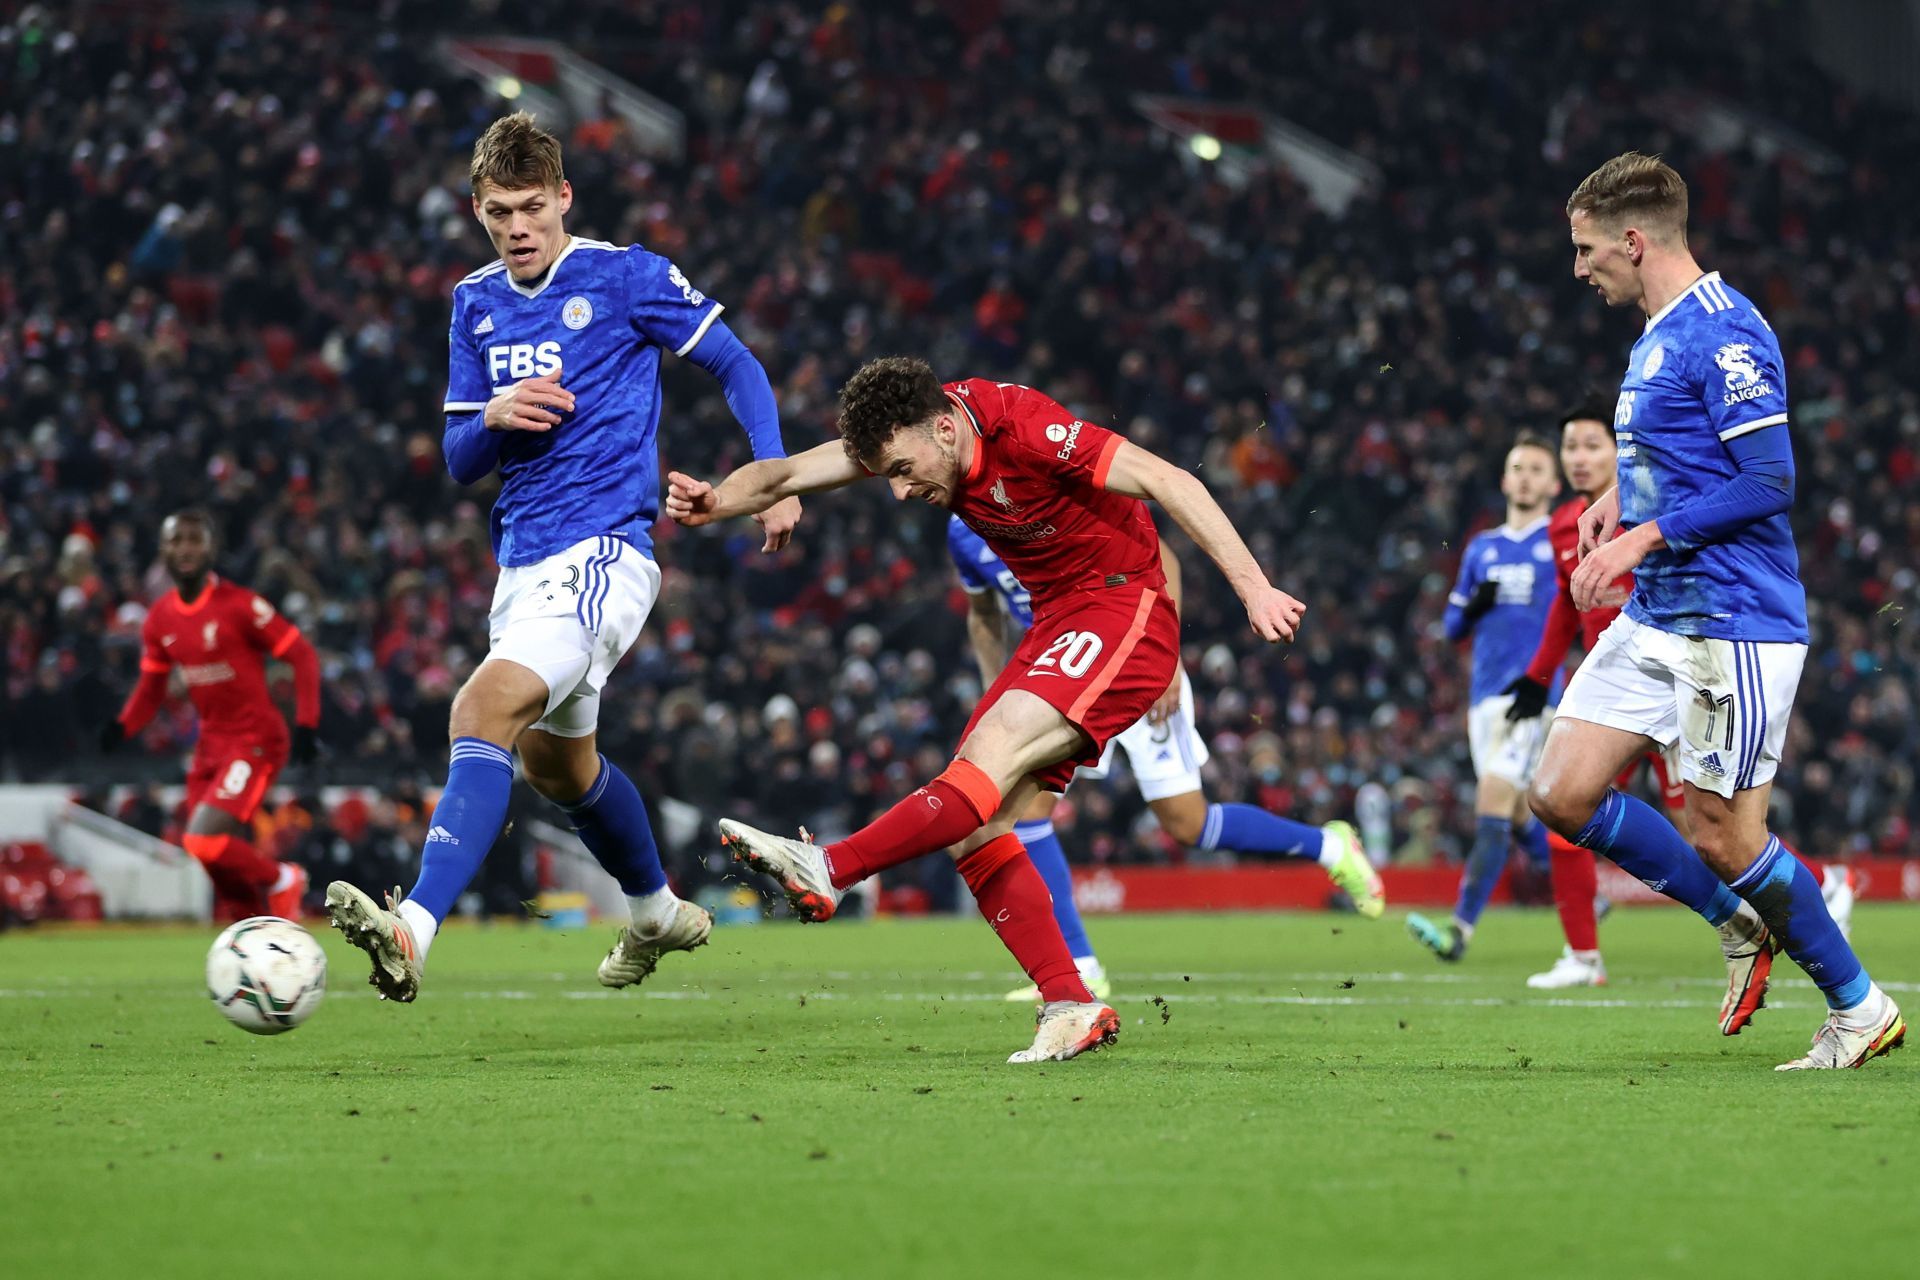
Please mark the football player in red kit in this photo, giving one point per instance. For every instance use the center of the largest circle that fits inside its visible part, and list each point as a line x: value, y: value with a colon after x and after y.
x: 1588, y: 455
x: 1060, y: 501
x: 219, y: 636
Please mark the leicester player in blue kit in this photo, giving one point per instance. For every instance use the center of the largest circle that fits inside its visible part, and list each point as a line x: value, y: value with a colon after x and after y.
x: 554, y: 380
x: 1709, y: 649
x: 1505, y: 587
x: 1164, y: 753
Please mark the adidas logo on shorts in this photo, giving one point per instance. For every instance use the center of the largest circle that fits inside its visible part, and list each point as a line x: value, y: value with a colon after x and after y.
x: 1713, y: 766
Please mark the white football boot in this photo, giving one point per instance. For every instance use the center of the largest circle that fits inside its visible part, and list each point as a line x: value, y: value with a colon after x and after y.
x: 1069, y: 1028
x: 1749, y: 948
x: 382, y: 934
x: 635, y: 954
x: 798, y: 866
x: 1851, y: 1036
x: 1572, y: 969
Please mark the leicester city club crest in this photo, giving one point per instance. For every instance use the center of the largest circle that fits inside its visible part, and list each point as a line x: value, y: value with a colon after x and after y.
x: 577, y: 314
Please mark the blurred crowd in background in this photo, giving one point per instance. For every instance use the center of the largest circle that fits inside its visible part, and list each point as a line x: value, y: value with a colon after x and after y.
x: 227, y: 242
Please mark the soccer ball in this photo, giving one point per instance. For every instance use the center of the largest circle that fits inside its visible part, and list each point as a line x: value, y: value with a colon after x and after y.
x: 266, y: 974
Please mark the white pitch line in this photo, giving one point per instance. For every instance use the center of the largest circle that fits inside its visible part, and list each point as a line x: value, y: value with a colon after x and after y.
x: 977, y: 997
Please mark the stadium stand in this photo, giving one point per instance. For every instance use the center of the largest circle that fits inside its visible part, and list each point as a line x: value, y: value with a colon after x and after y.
x: 228, y: 241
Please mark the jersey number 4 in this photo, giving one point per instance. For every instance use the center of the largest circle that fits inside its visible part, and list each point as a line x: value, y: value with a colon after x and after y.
x: 1073, y: 652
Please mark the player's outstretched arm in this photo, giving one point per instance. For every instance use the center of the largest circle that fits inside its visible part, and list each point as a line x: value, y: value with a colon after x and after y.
x: 750, y: 396
x: 758, y: 485
x: 1134, y: 471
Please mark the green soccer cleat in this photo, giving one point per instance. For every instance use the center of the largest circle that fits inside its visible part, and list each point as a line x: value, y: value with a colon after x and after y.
x: 1352, y: 873
x: 1444, y: 940
x: 1102, y: 988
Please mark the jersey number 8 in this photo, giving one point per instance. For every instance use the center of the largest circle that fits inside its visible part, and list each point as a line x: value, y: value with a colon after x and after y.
x: 1074, y: 651
x: 234, y: 781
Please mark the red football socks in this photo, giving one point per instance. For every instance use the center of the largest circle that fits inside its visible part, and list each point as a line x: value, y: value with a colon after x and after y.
x: 1014, y: 899
x: 1575, y: 882
x: 240, y: 873
x: 945, y: 811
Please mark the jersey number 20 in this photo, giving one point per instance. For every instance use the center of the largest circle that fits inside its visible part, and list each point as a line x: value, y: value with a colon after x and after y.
x: 1074, y: 651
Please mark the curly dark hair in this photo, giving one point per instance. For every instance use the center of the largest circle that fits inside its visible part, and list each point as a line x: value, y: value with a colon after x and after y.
x: 885, y: 395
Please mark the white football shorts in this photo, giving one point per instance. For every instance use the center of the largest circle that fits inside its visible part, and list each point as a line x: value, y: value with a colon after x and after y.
x: 570, y: 619
x: 1501, y: 748
x: 1164, y: 759
x: 1724, y: 703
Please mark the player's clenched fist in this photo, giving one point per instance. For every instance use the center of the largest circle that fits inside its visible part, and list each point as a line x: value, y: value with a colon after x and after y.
x: 1275, y: 615
x: 531, y: 404
x: 689, y: 501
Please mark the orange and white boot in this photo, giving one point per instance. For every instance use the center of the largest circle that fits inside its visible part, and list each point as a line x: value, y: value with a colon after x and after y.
x: 380, y: 932
x: 797, y: 866
x: 1069, y: 1028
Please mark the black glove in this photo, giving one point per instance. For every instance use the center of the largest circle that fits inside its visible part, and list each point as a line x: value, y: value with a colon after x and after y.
x: 1483, y: 598
x: 306, y: 745
x: 1529, y: 699
x: 112, y: 734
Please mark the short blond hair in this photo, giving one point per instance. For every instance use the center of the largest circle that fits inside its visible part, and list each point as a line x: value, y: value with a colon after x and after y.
x: 515, y: 154
x: 1633, y: 188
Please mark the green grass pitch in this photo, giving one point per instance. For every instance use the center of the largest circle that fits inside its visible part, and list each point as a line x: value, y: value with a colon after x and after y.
x: 1297, y: 1095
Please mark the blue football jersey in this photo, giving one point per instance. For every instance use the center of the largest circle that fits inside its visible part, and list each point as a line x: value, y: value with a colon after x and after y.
x: 981, y: 570
x: 1707, y: 370
x: 600, y: 317
x: 1520, y: 561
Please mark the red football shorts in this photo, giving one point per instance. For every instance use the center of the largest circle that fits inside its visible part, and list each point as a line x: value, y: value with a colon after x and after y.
x: 233, y: 776
x: 1101, y: 659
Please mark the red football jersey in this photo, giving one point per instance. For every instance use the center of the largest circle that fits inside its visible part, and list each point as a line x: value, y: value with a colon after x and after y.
x: 1563, y: 620
x: 221, y: 643
x: 1036, y: 492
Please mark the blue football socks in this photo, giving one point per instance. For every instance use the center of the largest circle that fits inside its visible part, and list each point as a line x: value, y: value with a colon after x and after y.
x: 1532, y: 840
x: 1246, y: 828
x: 1050, y: 860
x: 1484, y: 864
x: 1787, y: 896
x: 464, y: 825
x: 611, y: 820
x: 1647, y: 847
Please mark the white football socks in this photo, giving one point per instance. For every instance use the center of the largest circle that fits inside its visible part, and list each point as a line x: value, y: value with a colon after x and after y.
x: 421, y: 921
x: 653, y: 912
